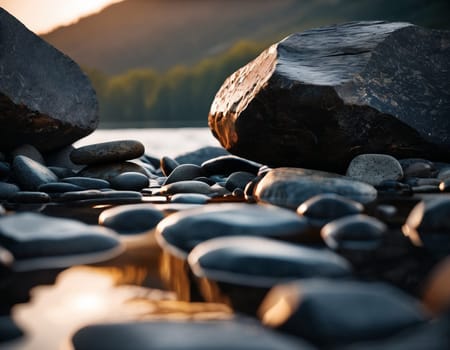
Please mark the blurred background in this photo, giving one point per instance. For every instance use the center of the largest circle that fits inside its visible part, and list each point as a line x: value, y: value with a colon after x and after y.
x: 159, y: 63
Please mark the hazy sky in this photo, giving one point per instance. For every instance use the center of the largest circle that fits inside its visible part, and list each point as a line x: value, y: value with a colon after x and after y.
x: 43, y: 15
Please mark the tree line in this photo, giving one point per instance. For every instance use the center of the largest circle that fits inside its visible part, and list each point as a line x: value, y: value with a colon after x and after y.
x: 180, y: 96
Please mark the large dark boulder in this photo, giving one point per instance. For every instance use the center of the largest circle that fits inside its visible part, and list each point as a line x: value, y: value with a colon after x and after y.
x: 45, y: 99
x: 319, y: 98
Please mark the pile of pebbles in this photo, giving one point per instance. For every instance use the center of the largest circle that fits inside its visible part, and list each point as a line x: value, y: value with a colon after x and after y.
x: 350, y: 261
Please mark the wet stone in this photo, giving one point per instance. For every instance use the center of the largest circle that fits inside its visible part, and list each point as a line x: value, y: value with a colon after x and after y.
x: 38, y: 241
x: 59, y: 187
x: 226, y: 165
x: 7, y: 190
x: 87, y: 182
x: 109, y: 171
x: 290, y: 187
x: 324, y: 208
x: 130, y: 181
x: 29, y: 197
x: 190, y: 198
x: 419, y: 168
x: 354, y: 233
x: 428, y: 225
x: 243, y: 260
x: 237, y: 333
x: 29, y: 151
x: 184, y: 172
x: 29, y: 174
x: 239, y: 179
x: 184, y: 230
x: 107, y: 152
x: 374, y: 168
x: 167, y: 165
x: 186, y: 187
x: 354, y: 311
x: 131, y: 219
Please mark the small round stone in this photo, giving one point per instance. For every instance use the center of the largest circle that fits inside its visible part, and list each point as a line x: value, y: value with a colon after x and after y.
x: 428, y: 225
x: 167, y: 165
x: 205, y: 179
x: 87, y: 182
x: 131, y: 219
x: 30, y: 174
x: 354, y: 233
x: 184, y: 172
x: 130, y: 181
x: 420, y: 168
x: 59, y: 187
x: 190, y: 198
x: 7, y: 190
x: 29, y: 197
x: 108, y: 171
x: 327, y: 207
x: 239, y: 179
x: 374, y: 168
x: 107, y: 152
x: 186, y: 187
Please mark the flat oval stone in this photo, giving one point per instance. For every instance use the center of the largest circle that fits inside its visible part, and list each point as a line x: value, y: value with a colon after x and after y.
x: 190, y: 186
x: 7, y: 190
x: 239, y: 179
x: 181, y: 232
x: 130, y: 181
x: 107, y: 152
x: 290, y: 187
x: 38, y: 241
x: 244, y: 260
x: 131, y: 219
x: 30, y: 174
x: 420, y: 169
x: 374, y: 168
x: 62, y: 172
x: 29, y: 151
x: 108, y: 171
x: 109, y: 198
x: 167, y: 165
x: 201, y: 155
x: 88, y: 183
x: 59, y: 187
x: 29, y: 197
x: 335, y: 312
x: 428, y: 225
x: 238, y: 333
x: 355, y: 232
x: 190, y: 198
x: 327, y: 207
x: 226, y: 165
x: 184, y: 172
x: 80, y: 195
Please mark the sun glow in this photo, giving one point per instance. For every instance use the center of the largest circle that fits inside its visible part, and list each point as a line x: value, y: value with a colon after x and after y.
x: 42, y: 16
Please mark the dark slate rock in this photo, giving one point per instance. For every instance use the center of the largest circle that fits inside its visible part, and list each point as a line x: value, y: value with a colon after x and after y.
x: 354, y: 233
x: 290, y: 187
x: 130, y: 181
x: 425, y: 189
x: 39, y: 241
x: 262, y: 262
x: 107, y: 152
x: 324, y: 208
x: 61, y: 158
x: 393, y: 186
x: 206, y: 180
x: 81, y: 195
x: 167, y: 165
x: 30, y: 174
x: 226, y: 165
x: 239, y: 179
x: 94, y: 197
x: 7, y: 190
x: 108, y: 171
x: 374, y: 168
x: 189, y: 186
x: 46, y: 100
x: 201, y: 155
x: 419, y: 181
x: 190, y: 198
x: 354, y: 88
x: 239, y: 334
x: 131, y: 219
x: 181, y: 232
x: 184, y: 172
x: 87, y: 182
x: 5, y: 170
x: 59, y: 187
x: 418, y: 168
x: 29, y: 197
x: 428, y: 225
x: 29, y: 151
x: 333, y: 312
x: 61, y: 172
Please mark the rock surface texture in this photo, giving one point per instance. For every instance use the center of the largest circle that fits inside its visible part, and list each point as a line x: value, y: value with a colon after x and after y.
x: 319, y: 98
x: 45, y: 99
